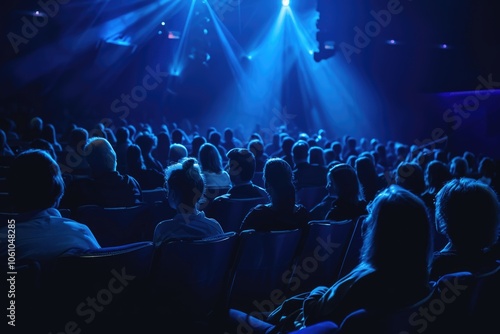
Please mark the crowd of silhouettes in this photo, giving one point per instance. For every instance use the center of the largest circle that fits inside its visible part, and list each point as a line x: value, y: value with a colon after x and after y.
x: 428, y: 211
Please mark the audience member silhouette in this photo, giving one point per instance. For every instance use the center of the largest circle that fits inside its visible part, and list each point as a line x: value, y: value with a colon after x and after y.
x: 286, y: 150
x: 349, y: 202
x: 98, y: 131
x: 185, y: 187
x: 243, y: 194
x: 441, y: 155
x: 195, y: 146
x: 147, y: 142
x: 316, y: 156
x: 123, y: 142
x: 241, y: 169
x: 350, y: 148
x: 148, y: 178
x: 486, y: 171
x: 371, y: 183
x: 382, y: 156
x: 42, y: 144
x: 472, y: 171
x: 459, y: 167
x: 410, y: 176
x: 273, y: 146
x: 35, y: 188
x: 162, y: 149
x: 304, y: 173
x: 10, y: 128
x: 437, y: 174
x: 34, y: 130
x: 177, y: 153
x: 257, y: 149
x: 467, y: 212
x: 74, y: 157
x: 320, y: 210
x: 178, y: 136
x: 105, y: 186
x: 230, y: 141
x: 215, y: 139
x: 329, y: 156
x: 337, y: 150
x: 211, y: 167
x: 282, y: 213
x: 50, y: 135
x: 402, y: 152
x: 390, y: 148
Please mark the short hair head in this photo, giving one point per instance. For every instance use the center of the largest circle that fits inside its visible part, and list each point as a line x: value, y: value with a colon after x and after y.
x: 345, y: 181
x: 467, y: 211
x: 34, y: 181
x: 257, y: 147
x: 100, y: 155
x: 177, y: 152
x: 300, y: 150
x: 241, y: 162
x: 146, y: 141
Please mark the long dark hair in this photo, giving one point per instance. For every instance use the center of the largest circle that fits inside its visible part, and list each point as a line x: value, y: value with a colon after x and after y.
x: 278, y: 175
x: 398, y: 234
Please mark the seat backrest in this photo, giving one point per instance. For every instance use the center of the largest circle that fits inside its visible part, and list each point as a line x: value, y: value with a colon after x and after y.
x: 310, y: 196
x: 262, y: 269
x: 352, y: 250
x: 112, y: 226
x: 98, y: 286
x: 230, y: 213
x: 191, y: 277
x: 485, y: 298
x: 320, y: 255
x: 151, y: 196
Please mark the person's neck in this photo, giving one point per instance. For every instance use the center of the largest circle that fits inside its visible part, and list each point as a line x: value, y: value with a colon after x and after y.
x: 186, y: 210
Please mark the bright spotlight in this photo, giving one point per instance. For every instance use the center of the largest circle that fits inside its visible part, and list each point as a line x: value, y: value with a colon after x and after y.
x: 285, y: 3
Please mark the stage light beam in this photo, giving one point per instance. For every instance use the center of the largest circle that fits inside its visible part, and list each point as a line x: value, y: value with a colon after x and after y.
x: 285, y: 3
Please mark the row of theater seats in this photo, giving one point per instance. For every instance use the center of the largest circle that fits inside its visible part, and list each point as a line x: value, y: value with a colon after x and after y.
x: 186, y: 282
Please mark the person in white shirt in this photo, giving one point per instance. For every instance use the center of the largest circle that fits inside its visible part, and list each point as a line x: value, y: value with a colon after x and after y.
x: 35, y: 188
x: 185, y: 186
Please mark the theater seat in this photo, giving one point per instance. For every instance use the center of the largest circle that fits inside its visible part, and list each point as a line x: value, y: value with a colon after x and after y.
x: 190, y: 279
x: 98, y: 289
x: 320, y: 255
x: 113, y: 226
x: 263, y: 263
